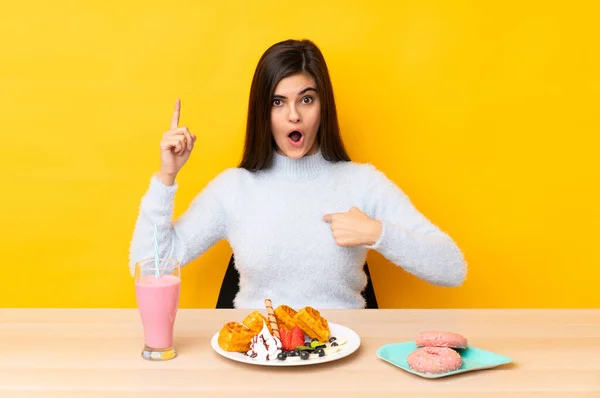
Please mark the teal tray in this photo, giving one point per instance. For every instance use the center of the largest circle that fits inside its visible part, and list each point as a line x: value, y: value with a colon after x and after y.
x: 473, y: 359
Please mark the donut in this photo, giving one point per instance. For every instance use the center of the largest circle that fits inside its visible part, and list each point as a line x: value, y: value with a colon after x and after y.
x: 440, y: 339
x: 434, y: 360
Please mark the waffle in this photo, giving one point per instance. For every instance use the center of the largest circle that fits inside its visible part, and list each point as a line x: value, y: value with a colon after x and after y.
x: 312, y: 323
x: 254, y: 321
x: 285, y: 317
x: 235, y: 337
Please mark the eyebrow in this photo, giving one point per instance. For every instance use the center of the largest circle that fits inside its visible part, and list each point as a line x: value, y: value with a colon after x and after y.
x: 276, y: 96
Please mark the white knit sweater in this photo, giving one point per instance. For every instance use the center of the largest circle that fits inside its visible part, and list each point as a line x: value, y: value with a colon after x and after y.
x: 273, y: 220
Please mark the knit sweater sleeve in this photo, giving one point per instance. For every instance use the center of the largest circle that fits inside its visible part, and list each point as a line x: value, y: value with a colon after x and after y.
x: 408, y: 238
x: 201, y: 226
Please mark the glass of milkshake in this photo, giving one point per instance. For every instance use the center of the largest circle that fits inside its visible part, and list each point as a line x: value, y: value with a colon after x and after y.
x: 157, y: 294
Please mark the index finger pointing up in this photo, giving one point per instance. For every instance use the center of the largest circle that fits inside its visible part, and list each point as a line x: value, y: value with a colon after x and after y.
x: 175, y: 119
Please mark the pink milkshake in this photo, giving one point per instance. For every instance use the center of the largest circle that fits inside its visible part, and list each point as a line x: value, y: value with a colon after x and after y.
x: 157, y: 302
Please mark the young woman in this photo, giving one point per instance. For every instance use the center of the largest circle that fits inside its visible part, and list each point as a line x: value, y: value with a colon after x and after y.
x: 299, y: 215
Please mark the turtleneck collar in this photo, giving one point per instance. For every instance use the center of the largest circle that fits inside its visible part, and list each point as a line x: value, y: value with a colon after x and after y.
x: 306, y: 167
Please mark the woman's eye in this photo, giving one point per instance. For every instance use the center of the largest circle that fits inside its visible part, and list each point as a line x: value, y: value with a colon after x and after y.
x: 276, y: 102
x: 307, y: 100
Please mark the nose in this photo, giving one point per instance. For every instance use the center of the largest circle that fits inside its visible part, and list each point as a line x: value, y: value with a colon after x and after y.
x: 294, y: 116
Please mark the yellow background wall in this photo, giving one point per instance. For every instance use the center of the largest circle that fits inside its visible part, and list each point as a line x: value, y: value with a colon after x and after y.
x: 485, y: 114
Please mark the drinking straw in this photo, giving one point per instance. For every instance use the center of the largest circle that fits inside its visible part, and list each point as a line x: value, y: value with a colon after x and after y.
x: 156, y: 261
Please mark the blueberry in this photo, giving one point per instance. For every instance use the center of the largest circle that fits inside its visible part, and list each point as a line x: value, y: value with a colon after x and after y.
x: 321, y: 352
x: 314, y: 340
x: 332, y: 339
x: 292, y: 353
x: 304, y: 355
x: 296, y: 352
x: 281, y: 356
x: 334, y: 344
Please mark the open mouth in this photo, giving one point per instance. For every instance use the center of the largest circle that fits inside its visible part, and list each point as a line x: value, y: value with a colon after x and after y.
x: 295, y: 136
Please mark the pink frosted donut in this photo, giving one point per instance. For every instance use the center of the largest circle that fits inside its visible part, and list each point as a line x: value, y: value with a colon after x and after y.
x: 434, y: 360
x: 440, y: 339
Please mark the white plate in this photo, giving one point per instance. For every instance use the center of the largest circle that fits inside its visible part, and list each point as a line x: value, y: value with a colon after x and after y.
x: 340, y: 332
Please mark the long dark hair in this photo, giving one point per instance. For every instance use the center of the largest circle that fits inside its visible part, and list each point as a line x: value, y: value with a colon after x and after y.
x: 281, y: 60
